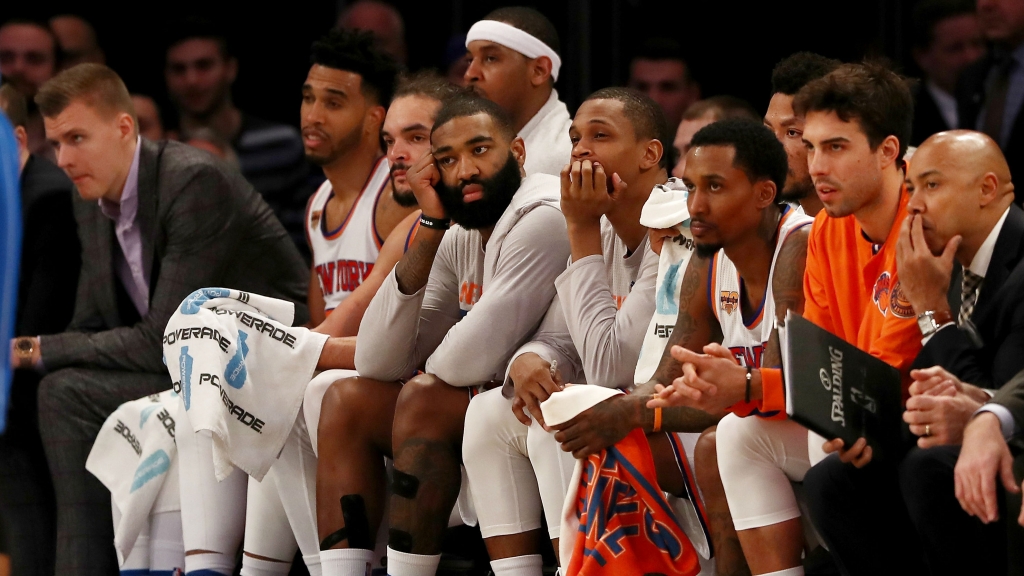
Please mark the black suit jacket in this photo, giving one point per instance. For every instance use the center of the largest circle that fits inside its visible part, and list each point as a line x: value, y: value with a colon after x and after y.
x: 998, y: 318
x: 970, y: 97
x: 50, y: 252
x: 927, y: 118
x: 202, y: 225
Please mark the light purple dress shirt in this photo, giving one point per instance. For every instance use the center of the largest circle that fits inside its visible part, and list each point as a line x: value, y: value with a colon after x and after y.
x: 128, y: 264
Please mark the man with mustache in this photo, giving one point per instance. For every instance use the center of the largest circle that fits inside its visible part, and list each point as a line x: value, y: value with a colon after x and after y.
x: 514, y: 63
x: 456, y: 306
x: 593, y: 330
x: 857, y: 124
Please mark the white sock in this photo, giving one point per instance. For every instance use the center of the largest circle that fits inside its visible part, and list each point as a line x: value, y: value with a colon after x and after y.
x: 529, y: 565
x: 345, y: 562
x: 798, y: 571
x: 214, y: 563
x: 404, y: 564
x: 256, y: 567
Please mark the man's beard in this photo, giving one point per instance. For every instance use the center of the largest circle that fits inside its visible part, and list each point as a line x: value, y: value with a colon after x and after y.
x: 404, y: 198
x: 497, y: 195
x: 705, y: 251
x: 797, y: 191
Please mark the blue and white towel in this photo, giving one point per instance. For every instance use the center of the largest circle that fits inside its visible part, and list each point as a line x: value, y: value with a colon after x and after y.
x: 240, y: 369
x: 135, y: 457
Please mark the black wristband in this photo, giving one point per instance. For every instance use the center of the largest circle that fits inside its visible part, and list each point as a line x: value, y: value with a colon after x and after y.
x: 434, y: 223
x: 746, y: 397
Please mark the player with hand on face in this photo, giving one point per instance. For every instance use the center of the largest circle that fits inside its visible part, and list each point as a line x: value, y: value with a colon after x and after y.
x: 457, y: 305
x: 594, y: 327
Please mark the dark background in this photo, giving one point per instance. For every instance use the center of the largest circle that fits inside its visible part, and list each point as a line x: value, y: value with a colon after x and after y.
x: 731, y: 46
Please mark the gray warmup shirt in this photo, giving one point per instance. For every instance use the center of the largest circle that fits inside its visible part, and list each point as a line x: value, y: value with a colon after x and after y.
x: 480, y: 302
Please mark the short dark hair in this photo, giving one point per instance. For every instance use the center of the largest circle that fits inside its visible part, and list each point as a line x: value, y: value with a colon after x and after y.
x: 95, y: 84
x: 721, y: 107
x: 197, y: 28
x: 530, y: 21
x: 660, y: 48
x: 644, y: 114
x: 469, y: 104
x: 794, y: 71
x: 876, y: 96
x: 928, y: 13
x: 354, y: 51
x: 759, y: 154
x: 13, y: 105
x: 426, y: 83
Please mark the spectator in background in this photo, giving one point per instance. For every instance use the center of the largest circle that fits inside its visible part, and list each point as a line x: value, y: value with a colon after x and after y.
x: 990, y: 93
x: 151, y: 127
x: 699, y: 115
x: 206, y: 139
x: 46, y: 295
x: 947, y: 39
x: 199, y: 72
x: 456, y: 60
x: 380, y: 18
x: 660, y: 71
x: 29, y: 55
x: 77, y: 40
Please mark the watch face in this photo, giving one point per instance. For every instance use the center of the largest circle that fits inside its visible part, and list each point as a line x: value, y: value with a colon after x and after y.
x: 24, y: 345
x: 925, y: 323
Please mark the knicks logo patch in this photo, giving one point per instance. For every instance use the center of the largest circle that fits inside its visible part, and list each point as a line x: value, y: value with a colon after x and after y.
x: 314, y: 218
x: 730, y: 300
x: 899, y: 304
x: 880, y: 294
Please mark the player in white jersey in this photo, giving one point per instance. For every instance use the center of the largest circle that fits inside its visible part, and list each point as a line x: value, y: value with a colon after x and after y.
x: 343, y: 107
x: 452, y: 309
x: 515, y: 63
x: 343, y: 257
x: 592, y: 331
x: 733, y: 172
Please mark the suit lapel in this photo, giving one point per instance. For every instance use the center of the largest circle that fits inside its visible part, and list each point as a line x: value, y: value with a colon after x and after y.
x: 147, y: 190
x: 1005, y: 256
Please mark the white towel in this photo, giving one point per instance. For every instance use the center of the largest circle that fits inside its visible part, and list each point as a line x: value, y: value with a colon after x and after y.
x: 666, y: 208
x: 241, y: 371
x: 135, y: 457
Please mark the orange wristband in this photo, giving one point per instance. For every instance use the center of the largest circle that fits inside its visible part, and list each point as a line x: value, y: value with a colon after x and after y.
x: 657, y: 420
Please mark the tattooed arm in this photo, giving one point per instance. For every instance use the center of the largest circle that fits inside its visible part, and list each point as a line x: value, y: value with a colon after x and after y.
x: 787, y: 289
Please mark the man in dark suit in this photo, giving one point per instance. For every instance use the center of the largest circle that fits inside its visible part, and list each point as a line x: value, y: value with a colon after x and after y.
x: 50, y: 261
x: 990, y: 93
x: 156, y: 221
x: 947, y: 39
x: 961, y: 208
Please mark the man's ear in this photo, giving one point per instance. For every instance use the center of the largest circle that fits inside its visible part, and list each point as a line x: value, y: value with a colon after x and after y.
x: 21, y: 137
x: 126, y: 125
x: 990, y: 189
x: 766, y: 192
x: 888, y: 150
x: 518, y: 149
x: 375, y: 119
x: 653, y: 152
x: 540, y: 70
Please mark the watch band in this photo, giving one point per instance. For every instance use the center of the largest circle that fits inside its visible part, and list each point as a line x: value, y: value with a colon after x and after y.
x: 434, y: 223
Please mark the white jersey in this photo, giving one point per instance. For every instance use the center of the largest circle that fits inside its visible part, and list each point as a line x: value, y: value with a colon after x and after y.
x: 747, y: 337
x: 343, y: 258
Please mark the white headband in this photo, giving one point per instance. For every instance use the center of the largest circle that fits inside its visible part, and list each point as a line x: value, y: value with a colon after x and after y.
x: 511, y: 37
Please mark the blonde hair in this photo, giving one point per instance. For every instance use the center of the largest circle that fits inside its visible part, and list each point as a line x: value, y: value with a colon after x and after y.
x: 95, y: 85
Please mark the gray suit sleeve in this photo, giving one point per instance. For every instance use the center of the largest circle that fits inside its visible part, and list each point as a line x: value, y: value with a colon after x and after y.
x: 202, y: 237
x: 398, y: 331
x: 1011, y: 397
x: 607, y: 339
x: 476, y: 350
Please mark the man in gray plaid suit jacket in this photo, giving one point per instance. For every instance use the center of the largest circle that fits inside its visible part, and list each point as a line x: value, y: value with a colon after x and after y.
x: 156, y: 222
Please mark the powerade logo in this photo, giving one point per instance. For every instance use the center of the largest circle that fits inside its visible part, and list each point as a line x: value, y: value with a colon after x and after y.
x: 154, y: 465
x: 235, y: 372
x: 666, y: 298
x: 195, y: 300
x: 185, y: 367
x: 146, y: 413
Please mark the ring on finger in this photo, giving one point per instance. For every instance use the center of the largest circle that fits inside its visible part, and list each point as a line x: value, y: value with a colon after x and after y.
x: 927, y: 429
